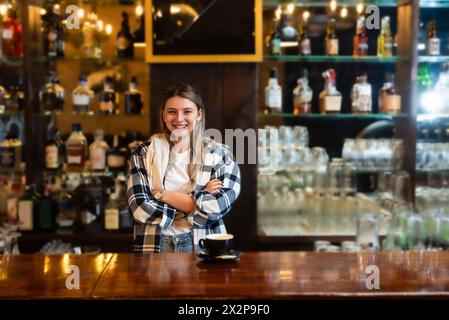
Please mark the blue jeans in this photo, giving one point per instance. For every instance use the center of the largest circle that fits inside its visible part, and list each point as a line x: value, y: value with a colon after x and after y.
x: 177, y: 243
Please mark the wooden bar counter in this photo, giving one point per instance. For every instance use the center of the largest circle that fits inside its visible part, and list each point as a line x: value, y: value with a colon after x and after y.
x: 258, y: 275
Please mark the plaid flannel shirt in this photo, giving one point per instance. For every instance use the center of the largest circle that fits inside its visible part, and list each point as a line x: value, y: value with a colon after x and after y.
x: 151, y: 216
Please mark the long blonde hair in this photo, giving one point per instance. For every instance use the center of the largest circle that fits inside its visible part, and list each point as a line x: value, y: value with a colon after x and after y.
x: 197, y: 148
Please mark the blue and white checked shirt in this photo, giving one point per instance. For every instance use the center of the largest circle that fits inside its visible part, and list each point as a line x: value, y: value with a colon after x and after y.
x: 151, y: 216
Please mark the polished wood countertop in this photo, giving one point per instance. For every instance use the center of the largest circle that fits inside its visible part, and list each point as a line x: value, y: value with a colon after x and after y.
x: 258, y: 275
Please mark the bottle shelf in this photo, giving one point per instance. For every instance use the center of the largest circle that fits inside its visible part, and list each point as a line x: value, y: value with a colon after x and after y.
x: 433, y: 59
x: 11, y: 114
x: 88, y: 59
x: 93, y: 115
x: 377, y: 116
x: 430, y: 171
x: 11, y: 61
x: 333, y: 59
x: 84, y: 171
x: 347, y: 3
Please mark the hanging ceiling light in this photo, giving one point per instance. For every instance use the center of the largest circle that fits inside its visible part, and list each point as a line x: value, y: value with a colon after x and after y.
x: 305, y: 15
x: 344, y: 12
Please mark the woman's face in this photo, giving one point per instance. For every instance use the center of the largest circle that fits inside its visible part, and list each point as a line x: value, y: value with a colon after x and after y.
x: 181, y: 115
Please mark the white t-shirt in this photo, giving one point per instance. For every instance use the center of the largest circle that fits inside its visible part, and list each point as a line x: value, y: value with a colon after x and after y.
x: 177, y: 179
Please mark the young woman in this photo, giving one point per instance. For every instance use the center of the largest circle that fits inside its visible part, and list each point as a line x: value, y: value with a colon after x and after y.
x: 181, y: 184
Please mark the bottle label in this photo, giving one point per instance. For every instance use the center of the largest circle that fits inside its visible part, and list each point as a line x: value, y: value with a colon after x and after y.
x: 81, y: 99
x: 7, y: 34
x: 52, y: 36
x: 11, y: 208
x: 97, y: 159
x: 304, y: 47
x: 116, y: 161
x: 25, y: 212
x: 7, y: 157
x: 273, y: 99
x: 332, y: 103
x: 51, y: 157
x: 122, y: 43
x: 276, y: 46
x: 107, y: 106
x: 111, y: 219
x: 363, y: 103
x: 433, y: 46
x: 332, y: 47
x: 75, y: 154
x: 391, y: 103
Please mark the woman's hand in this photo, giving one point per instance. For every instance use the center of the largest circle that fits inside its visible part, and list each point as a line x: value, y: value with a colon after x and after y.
x: 214, y: 186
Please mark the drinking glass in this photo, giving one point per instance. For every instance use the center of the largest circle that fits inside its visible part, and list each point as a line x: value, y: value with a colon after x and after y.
x: 367, y: 232
x: 416, y: 232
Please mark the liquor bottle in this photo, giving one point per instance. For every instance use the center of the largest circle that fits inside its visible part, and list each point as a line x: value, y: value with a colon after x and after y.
x: 82, y: 97
x: 360, y: 41
x: 385, y: 39
x: 331, y: 40
x: 11, y: 151
x: 139, y: 33
x: 46, y: 208
x: 361, y: 95
x: 289, y: 35
x: 389, y: 98
x: 76, y: 148
x: 116, y: 159
x: 16, y: 99
x: 133, y: 98
x: 330, y: 97
x: 111, y: 210
x: 3, y: 99
x: 97, y: 152
x: 273, y: 93
x: 54, y: 151
x: 424, y: 80
x: 108, y: 98
x: 274, y: 41
x: 90, y: 31
x: 304, y: 41
x: 51, y: 95
x: 125, y: 40
x: 53, y: 33
x: 12, y: 196
x: 65, y: 207
x: 27, y: 209
x: 432, y: 41
x: 302, y: 95
x: 12, y: 35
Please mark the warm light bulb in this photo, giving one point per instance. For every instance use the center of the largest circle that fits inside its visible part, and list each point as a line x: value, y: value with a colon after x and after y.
x: 139, y: 10
x: 344, y: 12
x: 359, y: 7
x: 291, y: 8
x: 81, y: 13
x: 306, y: 15
x: 333, y: 5
x: 108, y: 28
x: 3, y: 9
x: 56, y: 7
x: 43, y: 12
x: 278, y: 13
x: 100, y: 25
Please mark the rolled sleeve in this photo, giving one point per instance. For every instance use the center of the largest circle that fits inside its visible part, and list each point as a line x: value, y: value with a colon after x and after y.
x: 143, y: 207
x: 212, y: 207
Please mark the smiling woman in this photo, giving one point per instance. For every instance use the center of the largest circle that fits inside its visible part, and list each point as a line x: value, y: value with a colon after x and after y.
x: 181, y: 184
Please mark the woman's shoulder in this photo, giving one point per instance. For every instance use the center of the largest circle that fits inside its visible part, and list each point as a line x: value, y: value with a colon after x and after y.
x: 142, y: 149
